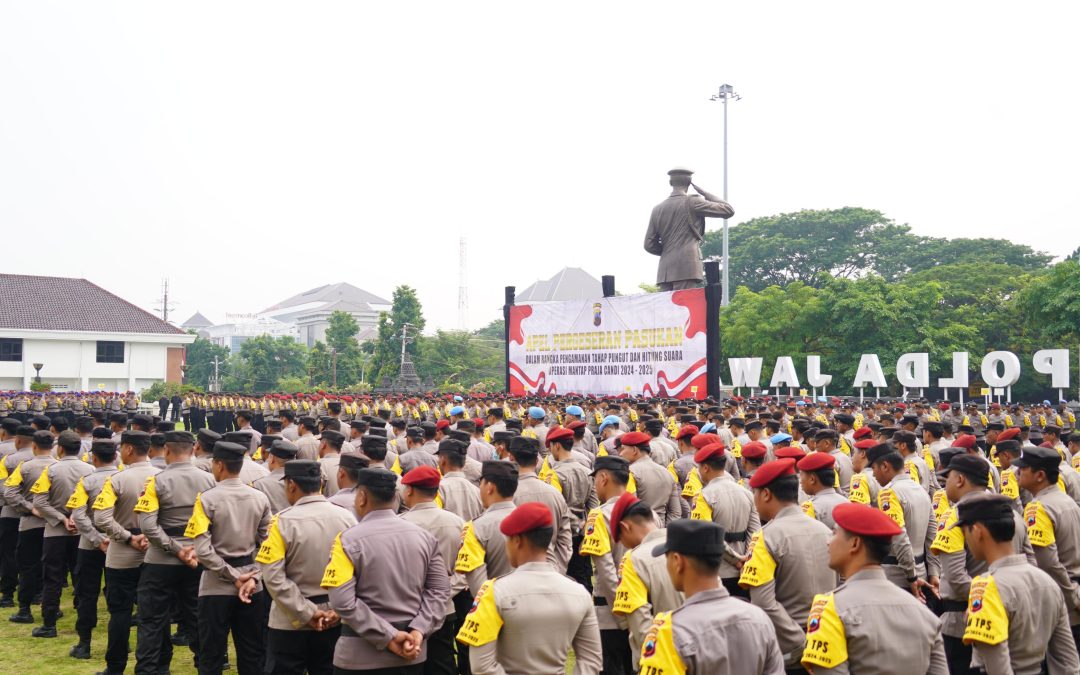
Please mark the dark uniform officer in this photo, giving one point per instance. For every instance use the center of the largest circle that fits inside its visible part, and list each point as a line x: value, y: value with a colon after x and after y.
x: 712, y: 632
x: 228, y: 522
x: 387, y: 581
x: 164, y: 509
x: 527, y: 621
x: 303, y: 630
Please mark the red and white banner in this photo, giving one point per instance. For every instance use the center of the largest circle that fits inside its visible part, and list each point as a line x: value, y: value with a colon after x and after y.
x: 640, y: 345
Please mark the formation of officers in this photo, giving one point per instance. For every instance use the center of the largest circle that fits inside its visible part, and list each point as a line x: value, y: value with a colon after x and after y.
x: 506, y: 536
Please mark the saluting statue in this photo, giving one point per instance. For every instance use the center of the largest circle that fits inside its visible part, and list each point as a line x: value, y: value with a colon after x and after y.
x: 676, y: 229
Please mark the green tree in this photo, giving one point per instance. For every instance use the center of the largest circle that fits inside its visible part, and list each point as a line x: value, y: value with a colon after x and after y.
x: 457, y: 360
x: 933, y: 252
x: 341, y: 339
x: 263, y: 360
x: 405, y: 309
x: 200, y: 361
x: 1051, y: 304
x: 319, y: 365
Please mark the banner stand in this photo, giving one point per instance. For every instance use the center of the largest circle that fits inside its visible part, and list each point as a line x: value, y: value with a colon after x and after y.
x: 508, y: 302
x: 713, y: 295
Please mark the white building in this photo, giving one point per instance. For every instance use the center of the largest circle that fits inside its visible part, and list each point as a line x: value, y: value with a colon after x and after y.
x: 310, y: 311
x: 570, y: 283
x: 83, y: 337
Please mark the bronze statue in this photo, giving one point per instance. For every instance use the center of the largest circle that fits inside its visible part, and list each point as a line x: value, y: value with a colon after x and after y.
x: 676, y: 229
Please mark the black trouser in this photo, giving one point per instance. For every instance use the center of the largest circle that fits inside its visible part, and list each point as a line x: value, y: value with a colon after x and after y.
x: 28, y: 556
x: 617, y: 657
x: 1076, y: 636
x: 294, y: 651
x: 440, y: 650
x: 58, y: 555
x: 89, y: 567
x: 462, y: 604
x: 175, y: 414
x: 187, y: 423
x: 9, y: 568
x: 161, y: 588
x: 218, y: 616
x: 121, y: 587
x: 733, y: 587
x: 396, y: 670
x: 580, y: 567
x: 957, y: 656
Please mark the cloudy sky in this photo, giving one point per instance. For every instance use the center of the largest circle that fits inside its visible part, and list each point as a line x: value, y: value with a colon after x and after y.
x: 250, y: 151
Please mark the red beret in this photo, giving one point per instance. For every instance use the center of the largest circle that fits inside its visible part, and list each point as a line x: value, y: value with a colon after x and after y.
x: 1009, y: 434
x: 965, y: 441
x: 442, y: 424
x: 770, y: 471
x: 864, y: 521
x: 790, y: 452
x: 1046, y: 444
x: 862, y: 432
x: 753, y: 450
x: 865, y: 444
x: 624, y: 502
x: 635, y: 438
x: 525, y: 518
x: 943, y: 406
x: 686, y: 430
x: 557, y: 433
x: 576, y: 424
x: 902, y: 406
x: 701, y: 440
x: 995, y: 406
x: 816, y: 461
x: 479, y: 422
x: 423, y: 476
x: 710, y: 450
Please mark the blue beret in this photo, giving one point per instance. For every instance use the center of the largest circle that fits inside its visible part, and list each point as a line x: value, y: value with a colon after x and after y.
x: 457, y: 410
x: 575, y: 410
x: 610, y: 420
x: 537, y: 413
x: 779, y: 438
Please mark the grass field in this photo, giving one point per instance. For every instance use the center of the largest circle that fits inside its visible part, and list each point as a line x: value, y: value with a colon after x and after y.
x: 19, y: 652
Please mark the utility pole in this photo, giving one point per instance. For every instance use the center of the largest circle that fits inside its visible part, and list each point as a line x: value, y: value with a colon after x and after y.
x: 726, y: 92
x: 215, y: 384
x: 463, y: 287
x: 163, y: 305
x: 333, y: 367
x: 405, y: 340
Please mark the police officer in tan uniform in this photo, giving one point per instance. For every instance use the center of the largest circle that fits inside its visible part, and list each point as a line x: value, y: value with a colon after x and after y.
x: 526, y: 453
x: 227, y: 524
x: 655, y: 486
x: 817, y: 478
x: 482, y: 555
x: 303, y: 629
x: 527, y: 621
x: 387, y: 581
x: 31, y: 526
x: 457, y: 494
x: 868, y: 624
x: 278, y: 455
x: 729, y: 505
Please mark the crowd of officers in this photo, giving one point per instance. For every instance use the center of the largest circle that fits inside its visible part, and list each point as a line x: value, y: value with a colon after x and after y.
x: 496, y: 535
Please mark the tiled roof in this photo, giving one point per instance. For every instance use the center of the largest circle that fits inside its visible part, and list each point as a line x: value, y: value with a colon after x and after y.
x: 197, y: 320
x: 571, y: 283
x: 60, y: 303
x: 327, y: 294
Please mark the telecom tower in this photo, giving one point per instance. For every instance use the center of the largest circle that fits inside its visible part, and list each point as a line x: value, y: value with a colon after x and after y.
x: 163, y: 304
x: 463, y: 289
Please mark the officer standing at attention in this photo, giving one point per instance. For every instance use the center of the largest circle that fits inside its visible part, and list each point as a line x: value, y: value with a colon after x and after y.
x: 19, y: 450
x: 817, y: 478
x: 387, y: 581
x: 785, y: 570
x: 421, y: 487
x: 348, y: 473
x: 163, y: 509
x: 303, y: 629
x: 90, y: 560
x: 114, y: 514
x: 51, y: 492
x: 712, y: 632
x: 1016, y: 615
x: 1053, y: 525
x: 482, y: 555
x: 280, y: 453
x: 868, y: 624
x: 729, y: 505
x: 527, y: 621
x: 655, y: 485
x: 31, y: 526
x: 526, y: 453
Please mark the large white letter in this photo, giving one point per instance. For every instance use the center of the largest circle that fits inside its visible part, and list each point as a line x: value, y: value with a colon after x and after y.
x: 745, y: 372
x: 784, y: 375
x: 869, y: 372
x: 959, y: 379
x: 1010, y: 369
x: 1055, y: 363
x: 814, y: 376
x: 913, y: 370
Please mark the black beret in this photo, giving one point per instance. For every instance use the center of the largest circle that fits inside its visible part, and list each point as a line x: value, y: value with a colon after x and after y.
x: 503, y: 436
x: 353, y: 460
x: 702, y: 538
x: 283, y: 449
x: 136, y: 437
x: 157, y: 440
x: 165, y: 426
x: 302, y: 468
x: 983, y: 507
x: 372, y: 441
x: 523, y: 445
x: 241, y: 437
x: 611, y: 463
x: 228, y: 451
x: 494, y: 469
x: 459, y: 435
x: 179, y: 437
x: 208, y: 437
x: 378, y: 431
x: 878, y: 451
x: 69, y: 441
x: 376, y: 478
x: 99, y: 433
x: 452, y: 445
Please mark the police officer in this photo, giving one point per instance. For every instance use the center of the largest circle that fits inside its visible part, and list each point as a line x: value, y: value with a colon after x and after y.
x: 303, y: 629
x: 817, y: 478
x: 527, y: 621
x: 729, y: 505
x: 421, y: 488
x: 113, y: 513
x: 227, y: 524
x: 711, y: 632
x: 863, y: 488
x: 482, y: 555
x: 204, y: 448
x: 31, y: 527
x: 90, y: 561
x: 655, y: 486
x: 868, y: 624
x: 387, y: 581
x: 348, y: 474
x: 571, y: 478
x: 1016, y: 616
x: 164, y: 508
x: 281, y: 452
x: 784, y: 569
x: 18, y: 445
x: 52, y: 490
x: 456, y: 493
x: 526, y: 453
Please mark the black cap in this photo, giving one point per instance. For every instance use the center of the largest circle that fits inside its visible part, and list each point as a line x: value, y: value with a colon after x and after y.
x: 133, y: 436
x: 452, y: 445
x: 983, y: 507
x: 844, y: 418
x: 525, y: 446
x: 208, y: 437
x: 302, y: 468
x: 975, y: 468
x: 377, y: 431
x: 165, y: 426
x: 878, y: 451
x: 754, y: 424
x: 458, y: 434
x: 335, y: 438
x: 503, y: 436
x: 240, y: 437
x: 283, y: 449
x: 1038, y: 458
x: 157, y: 440
x: 69, y: 441
x: 1010, y: 446
x: 179, y: 437
x: 228, y: 451
x: 10, y: 425
x: 27, y: 430
x: 610, y: 463
x: 104, y: 449
x: 354, y: 460
x: 495, y: 469
x: 702, y: 538
x: 995, y: 426
x: 946, y: 455
x: 372, y: 441
x: 376, y: 478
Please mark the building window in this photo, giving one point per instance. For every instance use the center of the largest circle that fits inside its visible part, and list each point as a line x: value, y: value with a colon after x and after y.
x: 10, y: 349
x: 110, y: 352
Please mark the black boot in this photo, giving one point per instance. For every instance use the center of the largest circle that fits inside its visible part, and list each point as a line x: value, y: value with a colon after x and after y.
x: 44, y: 632
x: 81, y: 650
x: 7, y: 601
x: 22, y: 616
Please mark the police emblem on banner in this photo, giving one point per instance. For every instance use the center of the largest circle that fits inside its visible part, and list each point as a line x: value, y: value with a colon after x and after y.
x: 597, y: 317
